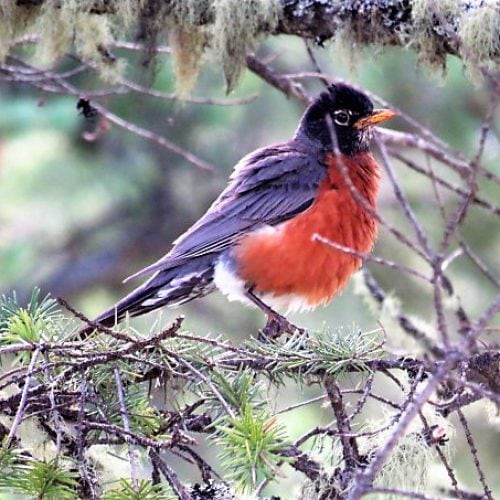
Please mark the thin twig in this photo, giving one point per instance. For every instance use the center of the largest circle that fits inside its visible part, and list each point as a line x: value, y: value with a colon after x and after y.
x: 349, y: 445
x: 370, y: 258
x: 133, y: 459
x: 24, y: 396
x: 474, y: 453
x: 170, y: 475
x: 211, y: 385
x: 56, y: 417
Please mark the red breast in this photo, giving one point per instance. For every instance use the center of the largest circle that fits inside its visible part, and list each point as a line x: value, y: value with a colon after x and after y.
x: 287, y: 260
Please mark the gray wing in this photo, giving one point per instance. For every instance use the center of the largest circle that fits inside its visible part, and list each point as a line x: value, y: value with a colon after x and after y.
x: 267, y: 187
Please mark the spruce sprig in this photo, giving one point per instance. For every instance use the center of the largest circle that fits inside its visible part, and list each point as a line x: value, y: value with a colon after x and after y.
x: 46, y: 308
x: 144, y: 490
x: 327, y: 352
x: 47, y: 480
x: 12, y: 466
x: 252, y: 445
x: 239, y: 390
x: 35, y: 322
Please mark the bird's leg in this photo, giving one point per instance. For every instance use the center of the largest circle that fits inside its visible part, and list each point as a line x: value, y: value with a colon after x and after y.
x: 276, y: 323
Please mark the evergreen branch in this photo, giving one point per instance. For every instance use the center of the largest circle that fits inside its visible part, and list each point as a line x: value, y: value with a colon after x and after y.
x: 229, y: 404
x: 132, y: 436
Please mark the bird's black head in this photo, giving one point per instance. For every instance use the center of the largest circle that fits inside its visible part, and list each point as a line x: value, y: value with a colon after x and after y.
x: 351, y: 116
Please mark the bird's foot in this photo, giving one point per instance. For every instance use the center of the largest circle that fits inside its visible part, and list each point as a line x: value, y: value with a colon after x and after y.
x: 276, y: 326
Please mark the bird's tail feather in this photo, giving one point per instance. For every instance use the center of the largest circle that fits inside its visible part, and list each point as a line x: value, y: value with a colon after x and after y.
x: 171, y: 288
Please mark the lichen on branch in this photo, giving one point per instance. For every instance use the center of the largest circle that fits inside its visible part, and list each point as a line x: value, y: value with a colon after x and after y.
x: 226, y: 30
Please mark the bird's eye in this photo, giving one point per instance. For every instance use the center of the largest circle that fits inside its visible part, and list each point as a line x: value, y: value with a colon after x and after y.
x: 342, y: 117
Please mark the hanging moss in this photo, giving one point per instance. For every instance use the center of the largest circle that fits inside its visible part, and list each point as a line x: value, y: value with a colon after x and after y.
x: 224, y: 31
x: 187, y: 44
x: 233, y: 30
x: 84, y: 24
x: 93, y: 34
x: 472, y: 29
x: 427, y: 34
x: 188, y: 37
x: 14, y: 22
x: 410, y: 463
x: 54, y: 28
x: 236, y: 28
x: 480, y: 33
x: 230, y: 28
x: 434, y: 29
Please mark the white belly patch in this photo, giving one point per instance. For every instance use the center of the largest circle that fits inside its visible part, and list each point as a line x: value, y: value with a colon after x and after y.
x: 231, y: 285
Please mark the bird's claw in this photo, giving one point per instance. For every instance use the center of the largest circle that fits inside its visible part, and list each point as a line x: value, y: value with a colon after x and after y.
x: 276, y: 326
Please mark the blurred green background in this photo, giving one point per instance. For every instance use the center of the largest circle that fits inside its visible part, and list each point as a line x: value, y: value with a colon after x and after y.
x: 77, y: 217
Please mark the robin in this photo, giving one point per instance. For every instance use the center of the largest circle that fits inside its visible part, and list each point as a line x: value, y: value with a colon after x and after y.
x: 256, y: 242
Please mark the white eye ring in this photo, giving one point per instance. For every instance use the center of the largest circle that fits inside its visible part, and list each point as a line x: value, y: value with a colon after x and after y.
x: 342, y: 117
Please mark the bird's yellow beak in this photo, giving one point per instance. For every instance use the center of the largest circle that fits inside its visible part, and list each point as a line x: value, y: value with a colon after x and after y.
x: 378, y: 116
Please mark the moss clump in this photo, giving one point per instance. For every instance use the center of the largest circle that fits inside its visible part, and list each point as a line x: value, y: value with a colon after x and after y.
x: 56, y: 34
x: 433, y: 28
x: 428, y: 30
x: 407, y: 467
x: 472, y: 29
x: 479, y: 31
x: 87, y: 25
x: 229, y: 28
x: 186, y: 27
x: 236, y: 28
x: 410, y: 463
x: 187, y: 50
x: 14, y: 22
x: 93, y: 34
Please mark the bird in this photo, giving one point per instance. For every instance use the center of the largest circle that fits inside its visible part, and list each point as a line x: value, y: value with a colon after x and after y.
x: 257, y: 242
